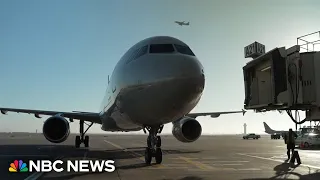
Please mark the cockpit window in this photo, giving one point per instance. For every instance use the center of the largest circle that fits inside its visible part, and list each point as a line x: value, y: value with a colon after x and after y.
x: 161, y: 48
x: 184, y: 50
x: 138, y: 53
x: 142, y: 51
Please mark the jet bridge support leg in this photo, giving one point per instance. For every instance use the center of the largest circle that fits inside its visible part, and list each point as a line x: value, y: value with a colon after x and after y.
x: 154, y: 145
x: 82, y: 138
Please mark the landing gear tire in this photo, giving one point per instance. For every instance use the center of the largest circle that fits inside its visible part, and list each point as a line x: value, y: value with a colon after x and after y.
x: 158, y: 156
x: 148, y: 142
x: 77, y: 141
x: 154, y: 145
x: 82, y: 138
x: 148, y: 156
x: 86, y: 141
x: 158, y: 141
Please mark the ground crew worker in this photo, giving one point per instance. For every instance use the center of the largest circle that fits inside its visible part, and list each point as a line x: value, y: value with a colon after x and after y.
x: 289, y: 139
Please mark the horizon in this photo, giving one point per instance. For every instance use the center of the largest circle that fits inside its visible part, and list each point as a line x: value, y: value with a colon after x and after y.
x: 128, y: 133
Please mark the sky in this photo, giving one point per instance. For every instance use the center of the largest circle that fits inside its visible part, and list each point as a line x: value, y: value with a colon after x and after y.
x: 57, y: 55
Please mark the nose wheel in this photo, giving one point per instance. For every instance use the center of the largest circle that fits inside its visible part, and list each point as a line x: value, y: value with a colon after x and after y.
x: 154, y: 146
x: 82, y: 138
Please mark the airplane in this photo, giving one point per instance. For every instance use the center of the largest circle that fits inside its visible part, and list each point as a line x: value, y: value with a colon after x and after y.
x: 182, y: 23
x: 271, y: 131
x: 159, y: 80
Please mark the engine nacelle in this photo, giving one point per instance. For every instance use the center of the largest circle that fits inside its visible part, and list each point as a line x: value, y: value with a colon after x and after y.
x: 3, y: 112
x: 186, y: 130
x: 56, y: 129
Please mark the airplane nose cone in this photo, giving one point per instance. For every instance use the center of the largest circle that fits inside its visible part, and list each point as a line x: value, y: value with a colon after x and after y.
x: 183, y: 67
x: 187, y: 67
x: 185, y: 72
x: 175, y: 83
x: 185, y: 89
x: 191, y: 71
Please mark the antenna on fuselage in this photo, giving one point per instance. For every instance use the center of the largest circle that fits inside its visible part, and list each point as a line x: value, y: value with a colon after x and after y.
x: 108, y: 79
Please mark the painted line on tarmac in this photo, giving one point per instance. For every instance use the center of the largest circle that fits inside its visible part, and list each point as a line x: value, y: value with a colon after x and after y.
x: 227, y: 164
x: 137, y: 155
x: 249, y: 169
x: 197, y: 164
x: 276, y: 160
x: 266, y: 153
x: 230, y: 161
x: 125, y: 150
x: 36, y: 175
x: 164, y: 152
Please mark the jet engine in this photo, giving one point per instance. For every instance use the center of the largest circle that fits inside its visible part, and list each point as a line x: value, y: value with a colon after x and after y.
x: 186, y: 130
x: 56, y: 129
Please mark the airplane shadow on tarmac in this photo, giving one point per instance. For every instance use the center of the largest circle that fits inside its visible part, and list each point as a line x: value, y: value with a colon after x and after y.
x: 282, y: 171
x: 187, y: 178
x: 70, y: 152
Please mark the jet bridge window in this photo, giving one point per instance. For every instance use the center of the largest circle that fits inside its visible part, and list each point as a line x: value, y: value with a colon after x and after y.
x: 161, y: 48
x: 184, y: 50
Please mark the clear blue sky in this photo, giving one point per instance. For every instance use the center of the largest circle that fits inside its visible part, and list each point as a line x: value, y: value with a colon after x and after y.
x: 56, y: 55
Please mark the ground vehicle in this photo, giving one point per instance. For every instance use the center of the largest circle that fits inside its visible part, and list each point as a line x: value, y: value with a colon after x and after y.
x: 308, y: 139
x: 275, y: 136
x: 251, y: 135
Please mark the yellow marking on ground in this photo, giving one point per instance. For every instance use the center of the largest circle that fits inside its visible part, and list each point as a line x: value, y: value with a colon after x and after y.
x: 158, y: 166
x: 198, y: 164
x: 164, y: 167
x: 137, y: 155
x: 115, y: 145
x: 178, y: 158
x: 126, y: 150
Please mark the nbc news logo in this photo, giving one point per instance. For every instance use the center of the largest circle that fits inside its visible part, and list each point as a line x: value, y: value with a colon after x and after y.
x: 18, y: 166
x: 57, y: 166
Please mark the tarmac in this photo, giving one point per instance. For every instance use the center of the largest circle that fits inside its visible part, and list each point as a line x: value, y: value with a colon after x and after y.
x: 210, y: 157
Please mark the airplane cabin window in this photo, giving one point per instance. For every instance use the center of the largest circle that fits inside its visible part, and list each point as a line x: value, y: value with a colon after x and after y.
x: 184, y: 50
x: 161, y: 48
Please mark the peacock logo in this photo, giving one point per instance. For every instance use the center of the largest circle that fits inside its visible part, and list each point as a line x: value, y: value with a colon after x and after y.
x: 18, y: 166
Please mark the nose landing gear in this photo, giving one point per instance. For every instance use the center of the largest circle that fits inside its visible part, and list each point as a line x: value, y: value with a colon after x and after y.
x: 82, y: 138
x: 154, y: 145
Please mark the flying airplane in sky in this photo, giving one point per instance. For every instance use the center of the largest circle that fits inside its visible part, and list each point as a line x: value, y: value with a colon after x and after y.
x: 157, y: 81
x: 182, y: 23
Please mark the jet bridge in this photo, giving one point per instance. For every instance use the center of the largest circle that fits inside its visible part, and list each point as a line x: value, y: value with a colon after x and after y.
x: 284, y: 79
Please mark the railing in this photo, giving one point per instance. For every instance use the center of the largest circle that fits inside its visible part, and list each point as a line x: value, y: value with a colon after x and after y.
x: 312, y: 42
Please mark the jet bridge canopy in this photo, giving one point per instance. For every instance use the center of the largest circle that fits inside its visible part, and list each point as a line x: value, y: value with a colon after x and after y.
x: 283, y: 78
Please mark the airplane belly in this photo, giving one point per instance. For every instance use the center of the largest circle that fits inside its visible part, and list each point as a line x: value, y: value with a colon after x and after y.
x: 123, y: 121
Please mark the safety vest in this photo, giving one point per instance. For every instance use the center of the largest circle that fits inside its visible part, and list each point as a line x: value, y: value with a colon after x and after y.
x: 290, y: 140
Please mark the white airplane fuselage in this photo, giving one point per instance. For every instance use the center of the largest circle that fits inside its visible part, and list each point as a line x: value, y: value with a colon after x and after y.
x: 162, y: 84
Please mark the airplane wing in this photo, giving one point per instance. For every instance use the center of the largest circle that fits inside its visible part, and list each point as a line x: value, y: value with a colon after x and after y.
x: 214, y: 114
x: 86, y: 116
x: 180, y: 23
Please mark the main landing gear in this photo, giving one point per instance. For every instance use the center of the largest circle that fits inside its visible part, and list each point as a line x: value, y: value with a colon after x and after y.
x: 154, y: 145
x: 83, y: 139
